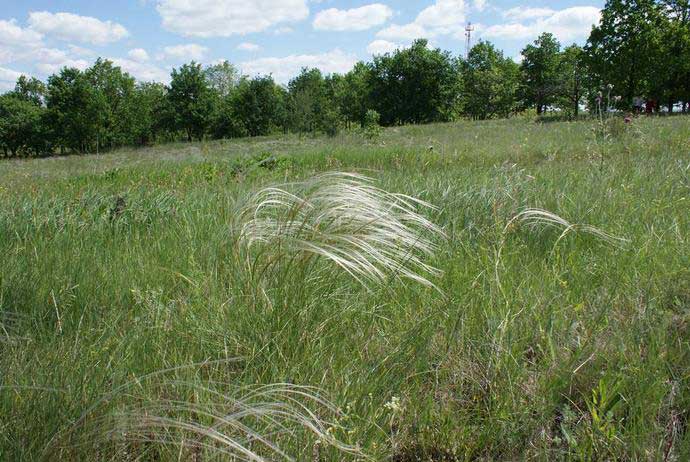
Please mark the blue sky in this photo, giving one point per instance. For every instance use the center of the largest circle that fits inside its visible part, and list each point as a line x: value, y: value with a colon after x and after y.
x: 149, y: 37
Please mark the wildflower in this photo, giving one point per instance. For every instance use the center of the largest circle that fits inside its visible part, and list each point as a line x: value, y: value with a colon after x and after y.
x: 393, y: 405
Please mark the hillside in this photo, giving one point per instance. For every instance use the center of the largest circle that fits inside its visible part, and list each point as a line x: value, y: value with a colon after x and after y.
x: 546, y: 312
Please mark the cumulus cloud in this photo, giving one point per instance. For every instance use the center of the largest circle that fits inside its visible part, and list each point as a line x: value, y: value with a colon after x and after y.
x: 479, y: 5
x: 223, y: 18
x: 139, y: 55
x: 409, y: 31
x: 188, y: 52
x: 568, y: 24
x: 145, y: 72
x: 380, y: 47
x: 72, y: 27
x: 441, y: 18
x: 248, y: 46
x: 16, y: 40
x: 283, y: 30
x: 8, y: 78
x: 356, y: 19
x: 521, y: 13
x: 55, y: 67
x: 283, y: 69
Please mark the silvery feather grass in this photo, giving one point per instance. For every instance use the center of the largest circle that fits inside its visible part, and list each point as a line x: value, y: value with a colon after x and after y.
x: 190, y: 418
x: 345, y: 219
x: 533, y: 217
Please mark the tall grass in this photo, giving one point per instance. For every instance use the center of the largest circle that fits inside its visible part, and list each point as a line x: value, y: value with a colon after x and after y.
x: 165, y: 304
x: 341, y: 217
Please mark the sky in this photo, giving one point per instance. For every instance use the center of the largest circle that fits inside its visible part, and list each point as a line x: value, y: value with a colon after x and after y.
x: 147, y: 38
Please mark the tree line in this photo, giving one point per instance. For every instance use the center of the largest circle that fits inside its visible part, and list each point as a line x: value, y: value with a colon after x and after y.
x: 640, y: 49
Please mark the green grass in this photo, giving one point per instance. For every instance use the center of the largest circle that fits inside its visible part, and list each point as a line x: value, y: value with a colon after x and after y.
x: 531, y: 347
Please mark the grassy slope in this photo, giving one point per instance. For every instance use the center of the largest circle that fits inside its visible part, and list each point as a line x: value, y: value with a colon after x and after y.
x: 579, y: 349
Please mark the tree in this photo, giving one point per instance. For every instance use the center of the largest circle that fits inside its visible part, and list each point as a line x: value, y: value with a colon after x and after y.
x: 352, y: 93
x: 20, y: 126
x: 153, y: 116
x: 191, y: 100
x: 113, y: 92
x: 259, y: 105
x: 415, y: 85
x: 311, y: 109
x: 572, y: 77
x: 622, y: 49
x: 675, y: 55
x: 491, y: 83
x: 75, y: 111
x: 540, y: 72
x: 32, y: 90
x: 223, y: 78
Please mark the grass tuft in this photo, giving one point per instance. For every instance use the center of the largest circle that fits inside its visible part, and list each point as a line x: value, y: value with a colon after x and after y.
x: 345, y: 219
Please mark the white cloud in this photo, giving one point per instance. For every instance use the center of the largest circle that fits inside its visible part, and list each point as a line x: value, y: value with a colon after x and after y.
x: 13, y: 35
x: 441, y: 18
x: 248, y: 46
x: 409, y: 31
x: 8, y: 79
x: 72, y: 27
x: 223, y: 18
x: 380, y: 47
x: 283, y: 69
x: 188, y: 52
x: 56, y: 66
x: 16, y: 40
x: 139, y: 55
x: 144, y: 72
x: 521, y: 13
x: 283, y: 30
x: 479, y: 5
x: 568, y: 24
x: 356, y: 19
x: 82, y: 52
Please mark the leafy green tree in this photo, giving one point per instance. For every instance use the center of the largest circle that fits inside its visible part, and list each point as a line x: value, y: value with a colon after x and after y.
x: 353, y: 94
x: 259, y: 106
x: 113, y: 91
x: 20, y: 126
x: 223, y: 78
x: 572, y: 79
x: 30, y: 89
x: 311, y: 108
x: 75, y: 110
x: 415, y: 85
x: 153, y: 116
x: 674, y: 60
x: 540, y: 74
x: 491, y: 83
x: 191, y: 100
x: 622, y: 50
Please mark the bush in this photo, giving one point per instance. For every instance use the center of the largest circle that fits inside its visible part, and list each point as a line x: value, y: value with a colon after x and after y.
x: 372, y: 129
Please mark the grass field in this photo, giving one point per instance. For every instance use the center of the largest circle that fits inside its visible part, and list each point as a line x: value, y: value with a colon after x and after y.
x: 136, y: 323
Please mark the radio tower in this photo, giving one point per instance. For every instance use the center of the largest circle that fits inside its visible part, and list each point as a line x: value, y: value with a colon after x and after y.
x: 468, y: 36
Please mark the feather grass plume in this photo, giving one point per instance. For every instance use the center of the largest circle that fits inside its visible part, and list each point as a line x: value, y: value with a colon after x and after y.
x: 535, y: 218
x: 539, y: 217
x: 196, y: 421
x: 345, y: 219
